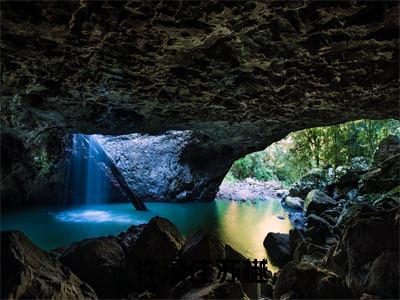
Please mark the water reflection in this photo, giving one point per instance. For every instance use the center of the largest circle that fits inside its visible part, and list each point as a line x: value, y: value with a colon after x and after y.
x: 242, y: 225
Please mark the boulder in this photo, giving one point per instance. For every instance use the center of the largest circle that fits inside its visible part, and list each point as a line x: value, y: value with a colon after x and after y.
x: 296, y: 236
x: 128, y: 238
x: 387, y: 148
x: 304, y: 280
x: 367, y: 255
x: 159, y: 242
x: 29, y: 272
x: 282, y: 193
x: 383, y: 178
x: 293, y: 202
x: 306, y: 249
x: 314, y: 179
x: 278, y: 248
x: 384, y: 174
x: 99, y: 262
x: 204, y: 246
x: 298, y: 219
x: 206, y: 284
x: 317, y: 201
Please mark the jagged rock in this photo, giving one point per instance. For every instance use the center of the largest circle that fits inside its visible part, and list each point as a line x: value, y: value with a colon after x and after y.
x: 305, y: 280
x: 99, y: 262
x: 159, y: 242
x: 29, y: 272
x: 384, y: 174
x: 203, y: 246
x: 278, y: 248
x: 384, y: 178
x: 306, y: 250
x: 387, y: 148
x: 314, y: 179
x: 240, y: 78
x: 207, y: 285
x: 128, y: 238
x: 298, y: 219
x: 347, y: 178
x: 318, y: 229
x: 282, y: 193
x: 293, y: 202
x: 367, y: 255
x: 317, y: 201
x: 295, y: 237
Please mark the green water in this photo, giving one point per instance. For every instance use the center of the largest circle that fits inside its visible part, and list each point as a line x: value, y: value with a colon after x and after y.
x: 242, y: 225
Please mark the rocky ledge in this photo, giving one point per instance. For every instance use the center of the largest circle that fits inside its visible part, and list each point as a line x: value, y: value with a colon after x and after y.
x: 348, y: 242
x: 239, y: 74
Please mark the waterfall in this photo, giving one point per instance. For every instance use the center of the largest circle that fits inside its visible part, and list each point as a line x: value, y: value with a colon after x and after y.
x: 85, y: 175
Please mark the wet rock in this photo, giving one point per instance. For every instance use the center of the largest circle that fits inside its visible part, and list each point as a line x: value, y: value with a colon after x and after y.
x: 203, y: 246
x: 293, y: 202
x: 206, y: 284
x: 159, y: 242
x: 304, y: 280
x: 298, y: 219
x: 317, y: 201
x: 99, y: 262
x: 282, y: 193
x: 29, y: 272
x: 278, y: 248
x: 367, y: 255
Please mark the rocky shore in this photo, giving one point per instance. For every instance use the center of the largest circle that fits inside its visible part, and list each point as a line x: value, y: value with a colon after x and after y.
x: 250, y: 190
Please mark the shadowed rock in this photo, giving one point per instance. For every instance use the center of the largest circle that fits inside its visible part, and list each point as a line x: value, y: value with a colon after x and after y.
x: 99, y: 262
x: 29, y: 272
x: 278, y: 248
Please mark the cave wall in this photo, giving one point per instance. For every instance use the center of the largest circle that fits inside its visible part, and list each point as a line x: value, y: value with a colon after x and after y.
x: 163, y: 167
x: 240, y: 74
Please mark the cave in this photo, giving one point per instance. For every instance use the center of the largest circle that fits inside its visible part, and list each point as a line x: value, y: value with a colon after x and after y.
x: 146, y: 105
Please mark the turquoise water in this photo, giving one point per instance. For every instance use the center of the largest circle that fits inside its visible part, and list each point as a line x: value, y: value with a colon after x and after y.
x: 242, y: 225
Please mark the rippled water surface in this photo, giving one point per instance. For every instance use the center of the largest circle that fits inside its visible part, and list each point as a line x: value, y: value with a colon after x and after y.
x: 242, y: 225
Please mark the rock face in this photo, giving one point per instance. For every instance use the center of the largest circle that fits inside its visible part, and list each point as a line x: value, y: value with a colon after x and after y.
x: 159, y: 167
x: 278, y: 248
x: 203, y: 246
x: 212, y: 289
x: 317, y: 201
x: 367, y: 255
x: 385, y: 171
x: 99, y: 262
x: 304, y: 280
x: 239, y: 74
x: 293, y: 202
x: 158, y: 242
x: 29, y: 272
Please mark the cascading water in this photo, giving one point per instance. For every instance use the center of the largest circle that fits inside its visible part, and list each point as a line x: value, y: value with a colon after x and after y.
x: 87, y: 178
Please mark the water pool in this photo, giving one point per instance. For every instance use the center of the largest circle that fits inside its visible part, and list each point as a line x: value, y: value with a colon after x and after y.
x: 241, y: 225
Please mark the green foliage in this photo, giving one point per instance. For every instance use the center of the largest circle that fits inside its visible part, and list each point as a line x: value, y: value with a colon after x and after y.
x: 336, y: 145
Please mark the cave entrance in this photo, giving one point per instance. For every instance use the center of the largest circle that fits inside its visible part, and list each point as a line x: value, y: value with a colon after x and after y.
x: 321, y: 152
